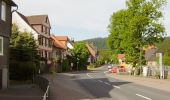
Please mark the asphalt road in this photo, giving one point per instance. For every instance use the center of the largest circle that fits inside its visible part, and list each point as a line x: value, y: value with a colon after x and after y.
x: 95, y: 85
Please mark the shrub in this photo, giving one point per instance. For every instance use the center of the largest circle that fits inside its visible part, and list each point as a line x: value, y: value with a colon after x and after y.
x: 65, y: 65
x: 22, y: 71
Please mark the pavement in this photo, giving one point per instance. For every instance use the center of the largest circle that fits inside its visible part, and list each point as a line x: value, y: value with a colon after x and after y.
x: 21, y: 92
x: 145, y: 81
x: 96, y: 85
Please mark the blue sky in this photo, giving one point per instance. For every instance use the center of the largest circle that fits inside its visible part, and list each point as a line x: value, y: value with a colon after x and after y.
x: 79, y: 19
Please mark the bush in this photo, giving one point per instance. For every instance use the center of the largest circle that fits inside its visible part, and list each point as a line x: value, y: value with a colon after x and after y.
x: 166, y: 60
x: 22, y: 71
x: 65, y: 65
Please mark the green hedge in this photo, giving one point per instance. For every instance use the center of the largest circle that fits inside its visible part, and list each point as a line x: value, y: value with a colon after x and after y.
x: 22, y: 70
x: 65, y: 65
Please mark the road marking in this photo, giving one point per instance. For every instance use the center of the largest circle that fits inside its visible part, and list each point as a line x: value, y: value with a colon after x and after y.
x: 100, y: 81
x: 116, y: 86
x: 143, y: 97
x: 105, y: 72
x: 107, y: 83
x: 89, y: 75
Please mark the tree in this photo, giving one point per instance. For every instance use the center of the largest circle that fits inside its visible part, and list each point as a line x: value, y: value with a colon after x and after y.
x: 104, y: 55
x: 80, y: 54
x: 24, y: 58
x: 133, y: 28
x: 165, y: 49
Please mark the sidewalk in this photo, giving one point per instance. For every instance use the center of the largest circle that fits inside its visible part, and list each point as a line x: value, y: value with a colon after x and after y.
x: 150, y: 82
x: 21, y: 92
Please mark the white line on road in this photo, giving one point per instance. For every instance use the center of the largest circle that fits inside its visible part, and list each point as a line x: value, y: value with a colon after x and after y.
x: 116, y: 86
x: 100, y: 81
x: 105, y: 72
x: 143, y: 97
x: 107, y: 83
x: 89, y: 75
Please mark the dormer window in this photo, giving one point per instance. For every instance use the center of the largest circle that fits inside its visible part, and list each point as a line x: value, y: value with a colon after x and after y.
x: 3, y: 11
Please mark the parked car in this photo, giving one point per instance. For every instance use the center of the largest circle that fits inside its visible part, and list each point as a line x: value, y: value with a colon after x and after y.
x: 115, y: 69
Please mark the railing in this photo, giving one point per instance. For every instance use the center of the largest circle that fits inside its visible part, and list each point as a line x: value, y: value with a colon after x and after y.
x: 155, y: 71
x: 46, y: 94
x: 44, y: 85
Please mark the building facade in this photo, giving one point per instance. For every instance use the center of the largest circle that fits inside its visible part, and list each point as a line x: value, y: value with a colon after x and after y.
x: 5, y: 31
x: 60, y: 51
x: 42, y: 25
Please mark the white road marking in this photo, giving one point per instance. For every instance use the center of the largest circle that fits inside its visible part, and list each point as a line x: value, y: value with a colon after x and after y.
x: 143, y: 97
x: 105, y: 72
x: 100, y: 81
x: 89, y: 75
x: 116, y: 86
x: 107, y: 83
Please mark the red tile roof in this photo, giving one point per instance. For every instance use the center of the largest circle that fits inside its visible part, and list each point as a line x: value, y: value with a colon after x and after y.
x: 62, y: 38
x: 57, y: 42
x: 120, y: 56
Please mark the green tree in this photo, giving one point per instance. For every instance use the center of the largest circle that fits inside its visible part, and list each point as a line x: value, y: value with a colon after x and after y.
x: 104, y: 55
x: 24, y: 58
x: 165, y: 49
x: 133, y: 28
x: 80, y: 54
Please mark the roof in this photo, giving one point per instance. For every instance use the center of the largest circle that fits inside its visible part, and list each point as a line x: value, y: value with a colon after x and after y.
x: 149, y: 47
x: 62, y: 38
x: 92, y: 49
x: 57, y: 43
x: 25, y: 19
x: 121, y: 56
x: 11, y: 2
x: 38, y: 19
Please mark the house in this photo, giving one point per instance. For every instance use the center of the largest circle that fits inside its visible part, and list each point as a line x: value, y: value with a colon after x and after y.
x: 65, y: 41
x: 93, y: 52
x: 150, y: 55
x: 39, y: 26
x: 5, y: 31
x: 60, y: 50
x: 23, y: 24
x: 42, y: 25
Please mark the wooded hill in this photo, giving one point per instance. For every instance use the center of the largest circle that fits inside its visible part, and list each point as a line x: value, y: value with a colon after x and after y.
x: 101, y: 43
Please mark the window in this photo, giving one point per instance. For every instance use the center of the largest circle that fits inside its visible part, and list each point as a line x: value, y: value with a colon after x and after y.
x: 3, y: 10
x: 1, y: 46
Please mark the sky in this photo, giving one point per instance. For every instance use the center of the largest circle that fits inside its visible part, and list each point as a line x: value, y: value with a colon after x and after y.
x: 79, y: 19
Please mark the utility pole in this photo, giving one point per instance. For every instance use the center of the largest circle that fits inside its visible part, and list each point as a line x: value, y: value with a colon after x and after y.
x: 160, y: 66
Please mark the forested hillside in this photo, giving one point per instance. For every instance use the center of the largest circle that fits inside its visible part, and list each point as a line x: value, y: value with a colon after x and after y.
x: 100, y: 43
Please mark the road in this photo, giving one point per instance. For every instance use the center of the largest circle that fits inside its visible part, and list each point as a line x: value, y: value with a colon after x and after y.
x: 95, y: 85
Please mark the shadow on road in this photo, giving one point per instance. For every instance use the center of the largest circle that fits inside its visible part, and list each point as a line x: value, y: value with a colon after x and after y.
x: 99, y: 88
